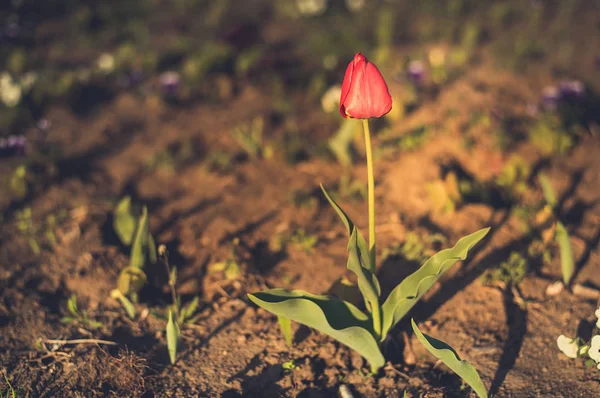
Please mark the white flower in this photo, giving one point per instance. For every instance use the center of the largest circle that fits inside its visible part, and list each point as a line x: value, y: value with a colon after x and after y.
x: 597, y: 313
x: 568, y: 346
x: 355, y: 5
x: 106, y: 62
x: 10, y: 90
x: 311, y: 7
x: 594, y: 351
x: 330, y: 101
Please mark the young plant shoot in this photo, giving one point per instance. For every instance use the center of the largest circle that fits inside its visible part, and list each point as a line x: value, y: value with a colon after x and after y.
x: 365, y: 95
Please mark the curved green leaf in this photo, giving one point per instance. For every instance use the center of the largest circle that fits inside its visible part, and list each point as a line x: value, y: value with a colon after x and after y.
x: 359, y: 259
x: 172, y: 337
x: 336, y: 318
x: 343, y: 216
x: 566, y: 253
x: 285, y: 324
x: 450, y: 358
x: 410, y: 290
x: 124, y: 221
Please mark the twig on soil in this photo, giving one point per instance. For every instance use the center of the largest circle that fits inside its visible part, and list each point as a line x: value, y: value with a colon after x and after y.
x: 391, y: 367
x: 586, y: 291
x: 80, y: 341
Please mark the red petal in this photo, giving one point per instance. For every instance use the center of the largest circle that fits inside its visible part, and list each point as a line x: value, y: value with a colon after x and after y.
x: 346, y: 87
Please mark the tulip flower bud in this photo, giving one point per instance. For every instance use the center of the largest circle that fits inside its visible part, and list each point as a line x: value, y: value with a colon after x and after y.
x: 364, y: 91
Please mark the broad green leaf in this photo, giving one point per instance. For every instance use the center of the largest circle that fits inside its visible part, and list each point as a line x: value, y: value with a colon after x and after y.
x: 124, y: 221
x: 131, y: 280
x: 549, y: 194
x: 286, y: 329
x: 567, y: 265
x: 172, y: 337
x: 450, y: 358
x: 338, y: 319
x: 139, y: 248
x: 410, y: 290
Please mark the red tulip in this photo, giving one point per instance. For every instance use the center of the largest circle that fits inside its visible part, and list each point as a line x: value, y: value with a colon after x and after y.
x: 364, y: 91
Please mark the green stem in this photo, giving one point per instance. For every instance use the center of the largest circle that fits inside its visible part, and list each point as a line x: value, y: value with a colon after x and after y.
x: 371, y: 193
x: 376, y: 309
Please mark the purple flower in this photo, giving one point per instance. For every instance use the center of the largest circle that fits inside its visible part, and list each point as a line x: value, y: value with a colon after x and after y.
x: 416, y: 72
x: 169, y: 83
x: 14, y: 145
x: 550, y: 98
x: 571, y: 90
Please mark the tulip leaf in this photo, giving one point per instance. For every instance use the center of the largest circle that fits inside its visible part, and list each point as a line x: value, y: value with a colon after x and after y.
x: 286, y: 329
x: 124, y: 221
x: 336, y: 318
x: 412, y: 288
x: 343, y: 216
x: 172, y: 337
x: 451, y: 359
x: 143, y: 249
x: 566, y: 253
x: 358, y: 260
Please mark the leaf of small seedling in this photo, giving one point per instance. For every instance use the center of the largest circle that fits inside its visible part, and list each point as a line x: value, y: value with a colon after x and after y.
x: 172, y: 337
x: 72, y: 306
x: 128, y: 305
x: 131, y: 280
x: 566, y: 253
x: 68, y: 319
x: 187, y: 311
x: 548, y: 191
x: 450, y: 358
x: 289, y: 365
x: 336, y: 318
x: 124, y: 221
x: 412, y: 288
x: 286, y: 329
x: 139, y: 248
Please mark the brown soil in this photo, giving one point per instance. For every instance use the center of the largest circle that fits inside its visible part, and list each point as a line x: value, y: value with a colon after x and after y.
x: 236, y: 349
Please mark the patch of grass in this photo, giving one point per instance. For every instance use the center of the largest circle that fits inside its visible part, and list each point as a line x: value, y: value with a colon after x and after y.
x: 511, y: 271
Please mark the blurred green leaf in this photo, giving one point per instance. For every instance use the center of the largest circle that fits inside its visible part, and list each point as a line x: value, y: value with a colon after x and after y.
x: 139, y: 249
x: 172, y: 337
x: 286, y: 329
x: 341, y: 142
x: 567, y: 265
x: 548, y: 191
x: 412, y: 288
x: 72, y: 305
x: 338, y: 319
x: 131, y: 280
x: 189, y: 310
x: 124, y: 221
x: 450, y: 358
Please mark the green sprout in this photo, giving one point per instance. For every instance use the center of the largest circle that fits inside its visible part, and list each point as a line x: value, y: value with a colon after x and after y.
x: 250, y: 137
x: 79, y: 317
x: 229, y: 267
x: 567, y: 263
x: 133, y: 230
